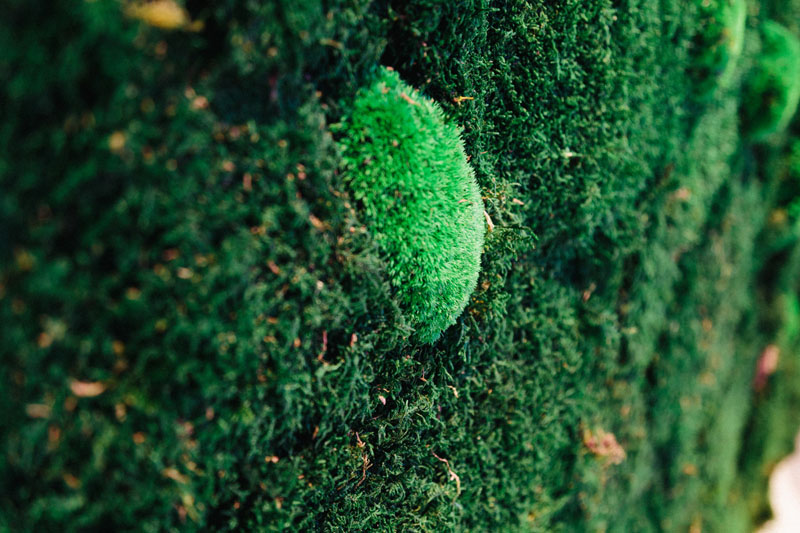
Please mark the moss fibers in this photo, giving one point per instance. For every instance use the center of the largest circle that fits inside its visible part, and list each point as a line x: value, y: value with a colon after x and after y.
x: 406, y: 167
x: 772, y: 89
x: 720, y: 42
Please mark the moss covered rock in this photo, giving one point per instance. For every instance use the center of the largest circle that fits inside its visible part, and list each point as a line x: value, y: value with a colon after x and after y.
x: 406, y: 167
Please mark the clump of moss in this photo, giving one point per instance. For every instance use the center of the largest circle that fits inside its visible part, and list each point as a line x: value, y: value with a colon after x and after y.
x: 772, y: 89
x: 406, y: 167
x: 720, y: 42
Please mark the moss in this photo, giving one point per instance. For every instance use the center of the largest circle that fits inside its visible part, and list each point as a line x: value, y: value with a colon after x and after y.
x: 720, y: 42
x: 407, y: 169
x: 772, y: 89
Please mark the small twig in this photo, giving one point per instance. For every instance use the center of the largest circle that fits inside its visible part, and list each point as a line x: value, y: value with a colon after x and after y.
x: 408, y: 99
x: 453, y: 475
x: 364, y: 469
x: 324, y: 348
x: 489, y: 221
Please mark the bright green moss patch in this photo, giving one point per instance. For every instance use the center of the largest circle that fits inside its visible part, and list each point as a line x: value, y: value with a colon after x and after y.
x: 772, y: 90
x: 409, y: 174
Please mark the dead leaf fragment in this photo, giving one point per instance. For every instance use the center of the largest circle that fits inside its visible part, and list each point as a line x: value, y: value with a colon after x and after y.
x: 604, y: 444
x: 489, y: 221
x: 87, y: 389
x: 172, y: 473
x: 163, y: 14
x: 38, y: 410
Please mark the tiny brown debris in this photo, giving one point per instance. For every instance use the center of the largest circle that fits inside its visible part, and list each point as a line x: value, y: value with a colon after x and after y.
x: 87, y: 389
x: 460, y: 99
x: 44, y: 340
x: 364, y: 467
x: 453, y: 475
x: 353, y: 339
x: 408, y: 99
x: 71, y: 481
x: 247, y: 182
x: 175, y: 475
x: 317, y: 223
x: 132, y: 293
x: 116, y: 142
x: 588, y: 292
x: 517, y: 201
x: 139, y: 437
x: 200, y: 102
x: 70, y: 403
x: 273, y: 267
x: 766, y: 366
x: 38, y: 410
x: 162, y: 14
x: 331, y: 43
x: 171, y: 254
x: 382, y: 399
x: 682, y: 194
x: 24, y: 260
x: 604, y: 444
x: 321, y: 355
x: 118, y: 347
x: 488, y: 221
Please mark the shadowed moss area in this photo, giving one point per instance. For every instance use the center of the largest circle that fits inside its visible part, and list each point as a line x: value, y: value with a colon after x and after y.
x: 201, y: 332
x: 408, y: 173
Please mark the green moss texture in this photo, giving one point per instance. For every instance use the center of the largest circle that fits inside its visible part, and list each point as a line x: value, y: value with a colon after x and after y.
x: 772, y: 90
x: 720, y: 42
x: 408, y: 173
x: 202, y: 327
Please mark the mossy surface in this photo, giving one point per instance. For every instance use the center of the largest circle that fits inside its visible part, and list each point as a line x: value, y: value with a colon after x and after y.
x: 408, y: 173
x: 719, y: 43
x: 198, y: 335
x: 772, y: 88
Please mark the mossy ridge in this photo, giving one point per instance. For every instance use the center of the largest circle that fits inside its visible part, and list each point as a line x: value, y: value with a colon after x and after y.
x: 721, y: 42
x: 772, y: 89
x: 407, y: 169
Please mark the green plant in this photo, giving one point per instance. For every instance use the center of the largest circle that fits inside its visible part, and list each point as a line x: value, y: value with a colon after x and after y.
x: 772, y: 89
x: 407, y: 169
x: 720, y: 41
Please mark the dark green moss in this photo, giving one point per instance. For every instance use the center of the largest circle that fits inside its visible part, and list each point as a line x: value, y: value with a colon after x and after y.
x: 174, y: 239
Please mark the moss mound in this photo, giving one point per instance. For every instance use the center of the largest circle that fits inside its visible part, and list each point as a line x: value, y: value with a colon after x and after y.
x: 408, y: 171
x: 720, y: 41
x: 772, y: 90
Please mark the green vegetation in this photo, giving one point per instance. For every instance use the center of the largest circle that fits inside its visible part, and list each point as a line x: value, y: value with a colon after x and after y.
x: 199, y: 334
x: 772, y: 90
x: 719, y: 42
x: 408, y: 172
